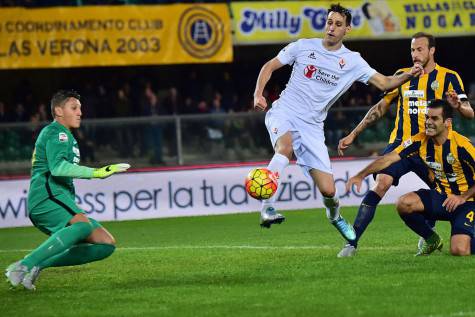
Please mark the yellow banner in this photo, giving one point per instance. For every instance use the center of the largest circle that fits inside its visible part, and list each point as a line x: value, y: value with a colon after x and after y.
x: 114, y: 35
x: 284, y: 21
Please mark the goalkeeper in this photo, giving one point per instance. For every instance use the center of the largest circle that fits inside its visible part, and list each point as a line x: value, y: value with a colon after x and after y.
x: 74, y: 238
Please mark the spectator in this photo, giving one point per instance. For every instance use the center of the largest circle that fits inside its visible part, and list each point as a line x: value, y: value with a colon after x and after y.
x: 3, y: 113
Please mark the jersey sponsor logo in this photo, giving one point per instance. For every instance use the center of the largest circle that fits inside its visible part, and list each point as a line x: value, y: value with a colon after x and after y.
x: 341, y: 63
x: 76, y: 151
x: 434, y: 165
x: 450, y: 158
x: 309, y: 71
x: 417, y: 106
x: 315, y: 73
x: 417, y: 103
x: 407, y: 143
x: 63, y: 137
x: 414, y: 94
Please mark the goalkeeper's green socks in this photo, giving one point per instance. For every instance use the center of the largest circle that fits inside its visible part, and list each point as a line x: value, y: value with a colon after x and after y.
x: 79, y: 254
x: 59, y: 242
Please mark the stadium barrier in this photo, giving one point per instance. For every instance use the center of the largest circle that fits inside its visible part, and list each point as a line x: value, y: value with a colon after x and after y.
x: 177, y: 140
x: 192, y: 191
x: 189, y: 139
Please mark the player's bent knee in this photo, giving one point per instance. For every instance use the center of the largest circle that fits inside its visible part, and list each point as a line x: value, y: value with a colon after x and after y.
x: 285, y: 150
x: 328, y: 192
x: 460, y: 245
x: 404, y: 205
x: 409, y: 203
x: 382, y: 185
x: 459, y: 250
x: 101, y: 236
x: 79, y: 218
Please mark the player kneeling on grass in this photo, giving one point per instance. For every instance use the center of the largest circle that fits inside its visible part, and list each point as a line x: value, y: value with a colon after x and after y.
x: 74, y: 238
x: 451, y: 158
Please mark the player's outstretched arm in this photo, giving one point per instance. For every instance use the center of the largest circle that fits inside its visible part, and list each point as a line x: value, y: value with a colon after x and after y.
x: 66, y: 169
x: 260, y: 102
x: 108, y: 170
x: 375, y: 166
x: 374, y: 114
x: 387, y: 83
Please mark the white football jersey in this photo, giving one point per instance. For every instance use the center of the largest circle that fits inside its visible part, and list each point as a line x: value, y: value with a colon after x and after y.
x: 319, y: 77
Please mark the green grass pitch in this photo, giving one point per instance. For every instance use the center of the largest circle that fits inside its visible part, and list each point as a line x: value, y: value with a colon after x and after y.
x: 229, y: 266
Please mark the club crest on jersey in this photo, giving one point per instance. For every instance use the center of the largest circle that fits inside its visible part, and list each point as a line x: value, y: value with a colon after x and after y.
x: 450, y: 158
x: 341, y: 63
x: 312, y: 55
x: 434, y: 85
x: 63, y: 137
x: 309, y: 71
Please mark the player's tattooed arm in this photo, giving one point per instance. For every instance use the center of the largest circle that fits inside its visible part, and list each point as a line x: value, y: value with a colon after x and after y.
x: 373, y: 115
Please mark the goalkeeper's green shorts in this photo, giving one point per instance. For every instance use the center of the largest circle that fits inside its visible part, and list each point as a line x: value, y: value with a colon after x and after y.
x: 54, y: 214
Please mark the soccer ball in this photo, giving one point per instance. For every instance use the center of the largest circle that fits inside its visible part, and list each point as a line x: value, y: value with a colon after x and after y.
x: 261, y: 183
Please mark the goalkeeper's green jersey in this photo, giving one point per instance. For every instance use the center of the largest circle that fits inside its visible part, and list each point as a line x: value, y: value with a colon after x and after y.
x: 54, y: 165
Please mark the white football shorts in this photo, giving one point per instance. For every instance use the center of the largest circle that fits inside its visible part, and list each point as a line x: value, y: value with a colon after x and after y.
x: 308, y: 140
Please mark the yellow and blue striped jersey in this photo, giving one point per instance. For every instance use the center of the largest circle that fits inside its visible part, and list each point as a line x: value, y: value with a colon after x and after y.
x: 452, y: 163
x: 412, y: 99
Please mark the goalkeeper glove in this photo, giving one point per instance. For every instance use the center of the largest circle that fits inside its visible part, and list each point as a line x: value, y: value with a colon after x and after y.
x: 106, y: 171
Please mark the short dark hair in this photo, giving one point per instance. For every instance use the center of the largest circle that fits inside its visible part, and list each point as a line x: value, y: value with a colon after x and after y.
x: 447, y: 110
x: 428, y: 36
x: 343, y: 11
x: 61, y: 96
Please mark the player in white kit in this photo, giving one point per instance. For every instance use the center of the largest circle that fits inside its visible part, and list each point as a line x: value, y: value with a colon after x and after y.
x: 323, y: 69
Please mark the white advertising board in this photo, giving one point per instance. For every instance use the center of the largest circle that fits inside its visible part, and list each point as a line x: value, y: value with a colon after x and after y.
x: 192, y: 192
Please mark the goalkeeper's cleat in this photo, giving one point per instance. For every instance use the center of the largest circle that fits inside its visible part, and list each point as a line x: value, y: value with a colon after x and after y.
x: 269, y: 217
x: 30, y: 278
x: 15, y: 273
x: 434, y: 242
x: 108, y: 170
x: 347, y: 251
x: 344, y: 228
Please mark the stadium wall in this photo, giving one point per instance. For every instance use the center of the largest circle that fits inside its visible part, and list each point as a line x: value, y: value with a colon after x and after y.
x: 191, y: 191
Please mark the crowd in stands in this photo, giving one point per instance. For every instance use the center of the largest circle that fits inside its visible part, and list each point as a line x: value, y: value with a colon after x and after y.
x: 192, y: 93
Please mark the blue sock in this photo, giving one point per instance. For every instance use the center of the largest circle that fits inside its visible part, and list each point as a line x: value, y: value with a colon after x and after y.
x: 365, y: 215
x: 417, y: 223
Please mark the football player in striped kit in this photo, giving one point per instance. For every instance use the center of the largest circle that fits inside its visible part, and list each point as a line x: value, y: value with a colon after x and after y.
x: 451, y: 159
x: 411, y: 99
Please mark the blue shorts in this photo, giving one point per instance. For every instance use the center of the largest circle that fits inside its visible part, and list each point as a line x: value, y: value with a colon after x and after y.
x: 406, y: 165
x: 461, y: 219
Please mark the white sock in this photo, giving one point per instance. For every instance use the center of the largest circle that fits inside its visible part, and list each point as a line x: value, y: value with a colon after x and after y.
x: 332, y: 206
x: 277, y: 165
